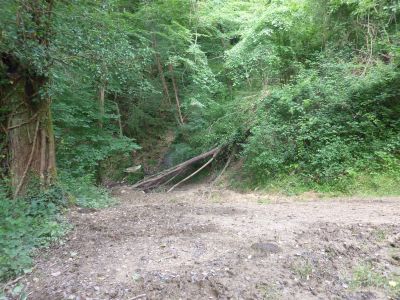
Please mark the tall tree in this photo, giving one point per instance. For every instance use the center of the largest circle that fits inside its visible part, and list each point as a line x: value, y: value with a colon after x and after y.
x: 26, y: 59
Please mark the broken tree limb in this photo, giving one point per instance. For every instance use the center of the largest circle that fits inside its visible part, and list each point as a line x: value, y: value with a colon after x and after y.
x: 194, y: 173
x: 173, y: 177
x: 160, y: 178
x: 223, y: 169
x: 212, y: 184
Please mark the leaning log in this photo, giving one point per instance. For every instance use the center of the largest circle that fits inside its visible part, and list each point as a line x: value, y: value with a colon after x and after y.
x: 164, y: 176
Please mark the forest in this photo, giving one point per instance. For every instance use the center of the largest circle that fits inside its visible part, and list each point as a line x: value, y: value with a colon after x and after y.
x: 108, y: 102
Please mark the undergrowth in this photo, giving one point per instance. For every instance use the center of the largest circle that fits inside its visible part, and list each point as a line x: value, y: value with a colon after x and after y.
x: 82, y: 191
x: 363, y: 183
x: 365, y: 275
x: 27, y: 224
x: 36, y: 220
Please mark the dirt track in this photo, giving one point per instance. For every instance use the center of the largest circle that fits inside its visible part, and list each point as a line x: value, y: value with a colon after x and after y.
x: 191, y: 245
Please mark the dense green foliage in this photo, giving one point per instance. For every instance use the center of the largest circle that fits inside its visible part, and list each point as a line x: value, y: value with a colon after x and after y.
x: 329, y: 126
x: 322, y: 101
x: 313, y: 82
x: 306, y: 92
x: 26, y: 224
x: 36, y: 220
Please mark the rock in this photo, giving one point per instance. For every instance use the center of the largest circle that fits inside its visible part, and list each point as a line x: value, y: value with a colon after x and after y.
x: 266, y: 248
x: 55, y: 274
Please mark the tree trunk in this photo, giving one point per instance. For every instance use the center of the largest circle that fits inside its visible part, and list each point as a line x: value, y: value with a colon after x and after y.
x: 31, y: 140
x: 178, y: 105
x: 162, y: 77
x: 121, y: 134
x: 161, y: 71
x: 102, y: 91
x: 101, y: 100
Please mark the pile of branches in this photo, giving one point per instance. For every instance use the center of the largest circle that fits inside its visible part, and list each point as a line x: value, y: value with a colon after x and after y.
x: 168, y: 175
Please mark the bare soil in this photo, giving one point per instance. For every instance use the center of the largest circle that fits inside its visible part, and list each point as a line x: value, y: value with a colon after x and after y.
x: 191, y: 244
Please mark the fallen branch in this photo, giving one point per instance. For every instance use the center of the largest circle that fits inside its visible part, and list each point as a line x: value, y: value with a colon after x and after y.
x: 194, y: 173
x: 172, y: 178
x: 212, y: 184
x: 223, y: 169
x: 164, y: 176
x: 12, y: 282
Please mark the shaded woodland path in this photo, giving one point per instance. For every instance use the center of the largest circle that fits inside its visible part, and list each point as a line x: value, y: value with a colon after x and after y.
x: 191, y: 245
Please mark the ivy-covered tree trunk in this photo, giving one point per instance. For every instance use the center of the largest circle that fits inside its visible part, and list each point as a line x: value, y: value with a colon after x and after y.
x: 26, y: 63
x: 30, y: 137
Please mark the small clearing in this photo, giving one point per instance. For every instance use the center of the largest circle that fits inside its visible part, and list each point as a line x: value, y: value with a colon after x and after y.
x: 189, y: 244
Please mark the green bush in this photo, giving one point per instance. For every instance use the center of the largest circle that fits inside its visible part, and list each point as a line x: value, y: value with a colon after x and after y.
x: 328, y: 126
x: 83, y: 192
x: 36, y: 220
x: 27, y: 224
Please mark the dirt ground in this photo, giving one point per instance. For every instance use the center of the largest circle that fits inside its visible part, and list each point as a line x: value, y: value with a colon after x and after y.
x: 191, y: 244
